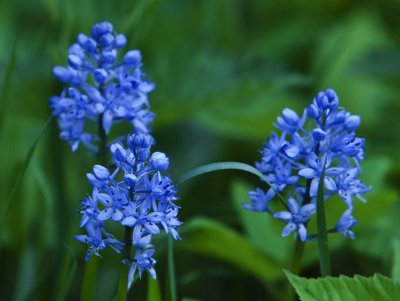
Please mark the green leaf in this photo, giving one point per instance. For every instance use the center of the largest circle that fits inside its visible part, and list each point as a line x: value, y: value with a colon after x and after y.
x: 344, y: 288
x: 229, y: 165
x: 7, y: 81
x: 342, y: 47
x: 211, y: 238
x: 396, y: 260
x: 171, y: 270
x: 261, y: 229
x: 219, y: 166
x: 21, y: 174
x: 153, y: 290
x: 69, y: 272
x: 89, y: 279
x: 250, y: 120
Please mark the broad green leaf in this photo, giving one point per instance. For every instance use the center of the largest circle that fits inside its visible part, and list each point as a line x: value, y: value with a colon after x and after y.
x: 343, y: 288
x: 396, y: 260
x: 378, y: 218
x: 261, y: 229
x: 153, y: 290
x: 211, y: 238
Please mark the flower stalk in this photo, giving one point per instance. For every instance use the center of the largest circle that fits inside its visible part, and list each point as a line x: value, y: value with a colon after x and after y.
x: 322, y: 235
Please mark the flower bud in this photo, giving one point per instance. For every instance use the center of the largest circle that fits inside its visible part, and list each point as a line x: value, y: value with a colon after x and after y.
x: 132, y: 58
x: 106, y: 39
x: 119, y: 41
x: 313, y: 111
x: 130, y: 180
x: 101, y: 173
x: 290, y: 116
x: 352, y: 122
x: 318, y: 134
x: 333, y: 100
x: 118, y: 152
x: 109, y: 57
x: 159, y: 161
x: 139, y: 140
x: 101, y: 28
x: 100, y: 76
x: 63, y: 74
x: 74, y: 61
x: 322, y: 100
x: 143, y: 154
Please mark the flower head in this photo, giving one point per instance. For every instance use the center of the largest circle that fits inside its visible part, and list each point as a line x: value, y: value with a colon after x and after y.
x: 99, y: 88
x: 323, y: 140
x: 133, y: 194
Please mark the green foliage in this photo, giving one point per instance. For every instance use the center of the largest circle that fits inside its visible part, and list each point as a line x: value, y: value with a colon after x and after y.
x: 396, y: 260
x: 6, y: 82
x: 211, y: 238
x: 217, y: 167
x: 224, y: 70
x: 153, y: 290
x: 344, y: 288
x: 70, y: 268
x: 261, y: 229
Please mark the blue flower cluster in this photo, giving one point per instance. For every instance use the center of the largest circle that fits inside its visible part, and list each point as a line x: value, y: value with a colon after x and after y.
x: 99, y: 88
x: 323, y: 137
x: 134, y: 194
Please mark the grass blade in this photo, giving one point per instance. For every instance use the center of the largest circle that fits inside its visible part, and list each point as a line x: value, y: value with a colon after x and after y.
x: 7, y: 81
x: 22, y: 172
x: 171, y: 270
x: 323, y: 249
x: 219, y: 166
x: 153, y: 290
x: 68, y: 275
x: 225, y: 166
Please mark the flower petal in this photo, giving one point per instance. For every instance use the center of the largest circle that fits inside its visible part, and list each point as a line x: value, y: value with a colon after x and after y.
x: 330, y: 184
x: 293, y: 205
x: 105, y: 214
x: 289, y: 228
x: 285, y: 216
x: 308, y: 173
x: 302, y: 232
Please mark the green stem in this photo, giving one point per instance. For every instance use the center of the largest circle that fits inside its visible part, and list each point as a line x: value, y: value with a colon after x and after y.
x: 89, y: 276
x: 89, y: 279
x: 123, y: 278
x: 171, y: 270
x: 295, y: 267
x: 323, y: 249
x: 103, y: 142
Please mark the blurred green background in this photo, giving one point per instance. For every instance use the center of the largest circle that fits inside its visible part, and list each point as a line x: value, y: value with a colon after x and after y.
x: 224, y: 70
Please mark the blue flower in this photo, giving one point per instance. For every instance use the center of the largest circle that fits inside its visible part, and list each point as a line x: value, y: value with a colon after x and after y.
x: 345, y: 224
x: 322, y: 139
x: 314, y: 171
x: 134, y: 194
x: 296, y: 218
x: 260, y: 200
x: 143, y: 261
x: 99, y: 89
